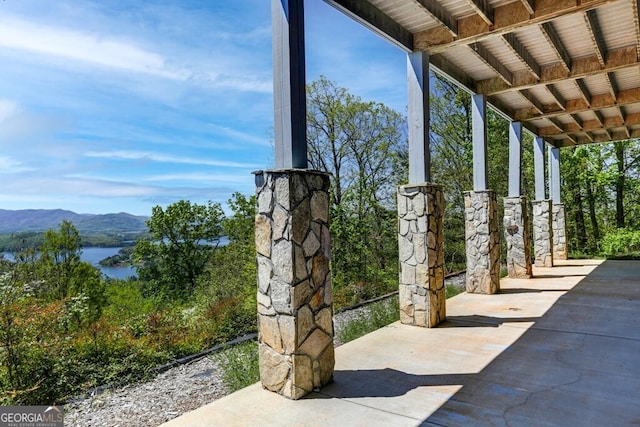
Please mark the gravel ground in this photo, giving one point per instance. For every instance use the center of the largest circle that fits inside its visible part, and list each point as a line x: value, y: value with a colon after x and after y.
x: 170, y: 394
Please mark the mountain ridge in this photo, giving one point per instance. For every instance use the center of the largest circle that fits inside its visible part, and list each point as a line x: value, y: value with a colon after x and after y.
x: 13, y: 221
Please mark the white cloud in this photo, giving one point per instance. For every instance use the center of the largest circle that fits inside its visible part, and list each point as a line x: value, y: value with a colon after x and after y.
x: 241, y: 178
x: 7, y: 109
x: 166, y: 158
x: 243, y: 136
x: 9, y: 165
x: 96, y: 49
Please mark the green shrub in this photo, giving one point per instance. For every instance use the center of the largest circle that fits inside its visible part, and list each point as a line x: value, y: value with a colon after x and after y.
x: 621, y: 243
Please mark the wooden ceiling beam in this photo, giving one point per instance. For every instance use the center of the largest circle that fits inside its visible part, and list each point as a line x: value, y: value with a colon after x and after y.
x: 526, y: 94
x: 584, y: 90
x: 612, y: 83
x: 376, y: 20
x: 492, y: 62
x: 557, y: 97
x: 483, y: 9
x: 593, y: 25
x: 438, y: 13
x: 579, y: 105
x: 600, y: 118
x: 552, y: 37
x: 602, y: 122
x: 636, y: 9
x: 506, y: 19
x: 577, y: 120
x: 617, y: 59
x: 529, y: 5
x: 521, y: 52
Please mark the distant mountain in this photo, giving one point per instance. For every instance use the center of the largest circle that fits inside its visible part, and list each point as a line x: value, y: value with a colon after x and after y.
x: 45, y: 219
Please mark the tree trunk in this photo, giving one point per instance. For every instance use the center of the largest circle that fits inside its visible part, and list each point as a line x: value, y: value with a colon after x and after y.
x: 619, y: 148
x: 592, y: 213
x: 579, y: 216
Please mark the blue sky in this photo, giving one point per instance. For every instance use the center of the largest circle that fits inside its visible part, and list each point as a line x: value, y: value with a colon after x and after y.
x: 120, y: 106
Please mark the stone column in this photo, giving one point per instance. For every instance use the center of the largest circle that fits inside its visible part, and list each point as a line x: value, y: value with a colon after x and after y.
x: 542, y: 233
x: 482, y: 242
x: 517, y: 237
x: 422, y: 291
x: 295, y: 301
x: 560, y: 250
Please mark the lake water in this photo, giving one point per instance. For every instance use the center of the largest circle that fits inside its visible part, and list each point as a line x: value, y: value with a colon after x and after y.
x: 95, y: 255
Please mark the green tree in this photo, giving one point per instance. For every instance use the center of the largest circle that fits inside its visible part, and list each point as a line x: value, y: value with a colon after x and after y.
x: 362, y: 145
x: 183, y: 237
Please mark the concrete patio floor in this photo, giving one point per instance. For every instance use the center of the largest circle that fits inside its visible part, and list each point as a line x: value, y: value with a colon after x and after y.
x: 560, y: 349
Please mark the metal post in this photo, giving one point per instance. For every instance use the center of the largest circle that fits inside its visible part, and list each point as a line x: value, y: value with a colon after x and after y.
x: 479, y: 125
x: 418, y: 111
x: 538, y: 164
x: 289, y: 92
x: 515, y: 158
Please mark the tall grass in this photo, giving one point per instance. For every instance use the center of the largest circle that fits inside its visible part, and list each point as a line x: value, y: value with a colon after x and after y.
x: 239, y: 365
x: 376, y: 316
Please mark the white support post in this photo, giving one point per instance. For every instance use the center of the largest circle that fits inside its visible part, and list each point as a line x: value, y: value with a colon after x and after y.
x: 538, y: 164
x: 515, y: 158
x: 479, y: 125
x: 418, y: 111
x: 289, y: 92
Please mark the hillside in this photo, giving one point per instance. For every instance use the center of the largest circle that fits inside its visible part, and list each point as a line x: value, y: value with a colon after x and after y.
x: 45, y: 219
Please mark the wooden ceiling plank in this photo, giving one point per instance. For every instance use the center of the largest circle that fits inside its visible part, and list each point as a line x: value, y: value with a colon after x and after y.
x: 492, y: 62
x: 374, y: 19
x: 618, y: 59
x: 521, y: 52
x: 593, y: 25
x: 438, y: 13
x: 506, y: 19
x: 552, y: 37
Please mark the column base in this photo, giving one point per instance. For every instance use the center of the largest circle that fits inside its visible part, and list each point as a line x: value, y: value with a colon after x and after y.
x: 517, y: 237
x: 560, y: 250
x: 542, y: 233
x: 422, y: 291
x: 482, y: 242
x: 295, y: 302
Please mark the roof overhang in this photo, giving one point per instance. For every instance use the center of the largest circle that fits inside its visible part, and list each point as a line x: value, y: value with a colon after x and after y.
x: 569, y: 70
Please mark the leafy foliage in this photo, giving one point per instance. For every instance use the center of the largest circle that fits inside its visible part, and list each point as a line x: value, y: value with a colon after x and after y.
x: 182, y: 239
x: 239, y: 365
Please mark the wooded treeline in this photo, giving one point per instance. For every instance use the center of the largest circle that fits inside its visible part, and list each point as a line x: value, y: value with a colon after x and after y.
x: 64, y: 328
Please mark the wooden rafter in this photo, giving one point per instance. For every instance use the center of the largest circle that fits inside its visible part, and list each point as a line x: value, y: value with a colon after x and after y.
x: 529, y: 5
x: 521, y: 52
x: 549, y: 32
x: 600, y: 118
x: 593, y: 25
x: 507, y: 18
x: 577, y: 120
x: 438, y: 13
x: 557, y: 97
x: 483, y: 9
x: 532, y: 100
x: 557, y: 124
x: 492, y: 62
x: 636, y: 9
x: 617, y: 59
x: 612, y: 83
x: 584, y: 90
x: 374, y: 19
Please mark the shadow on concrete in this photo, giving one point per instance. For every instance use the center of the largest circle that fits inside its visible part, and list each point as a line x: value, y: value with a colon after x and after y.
x: 577, y: 365
x: 530, y: 291
x: 476, y: 320
x: 382, y: 383
x: 554, y: 276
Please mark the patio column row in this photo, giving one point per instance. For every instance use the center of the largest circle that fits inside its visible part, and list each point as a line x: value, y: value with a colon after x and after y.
x: 295, y: 303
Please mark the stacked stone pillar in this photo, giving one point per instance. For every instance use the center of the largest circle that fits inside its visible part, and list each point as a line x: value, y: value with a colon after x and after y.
x: 559, y: 228
x: 517, y: 237
x: 295, y: 302
x: 422, y: 291
x: 542, y: 233
x: 482, y: 242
